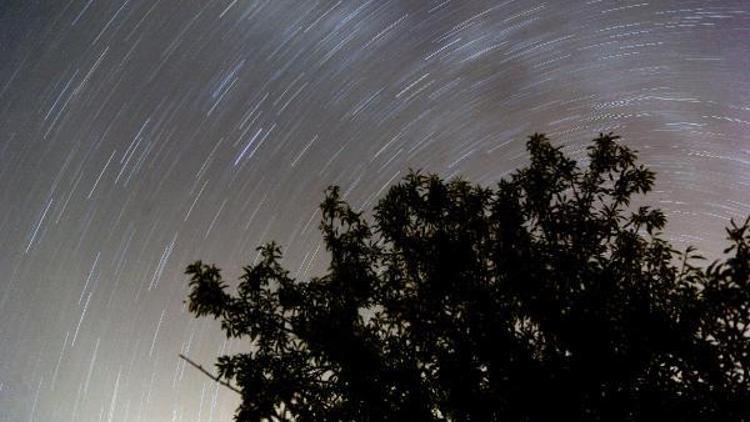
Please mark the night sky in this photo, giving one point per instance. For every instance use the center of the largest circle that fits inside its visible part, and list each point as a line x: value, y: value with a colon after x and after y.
x: 137, y: 136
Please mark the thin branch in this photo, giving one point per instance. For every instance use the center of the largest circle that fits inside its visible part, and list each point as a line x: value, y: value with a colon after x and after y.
x: 210, y: 375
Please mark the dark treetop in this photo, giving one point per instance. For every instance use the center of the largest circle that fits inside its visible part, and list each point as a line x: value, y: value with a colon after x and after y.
x: 548, y: 298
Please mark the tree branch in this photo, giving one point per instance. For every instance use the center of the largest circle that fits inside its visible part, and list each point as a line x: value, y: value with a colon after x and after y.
x: 210, y: 375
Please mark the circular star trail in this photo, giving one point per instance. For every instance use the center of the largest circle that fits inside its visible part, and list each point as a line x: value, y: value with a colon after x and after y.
x: 137, y: 136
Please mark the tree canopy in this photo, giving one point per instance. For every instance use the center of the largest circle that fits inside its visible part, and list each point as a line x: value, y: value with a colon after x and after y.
x: 547, y: 297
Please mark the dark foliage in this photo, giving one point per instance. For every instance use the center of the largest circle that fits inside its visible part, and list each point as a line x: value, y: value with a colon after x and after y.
x: 548, y: 298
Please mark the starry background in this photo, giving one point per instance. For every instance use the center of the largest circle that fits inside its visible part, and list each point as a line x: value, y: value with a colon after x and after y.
x: 137, y: 136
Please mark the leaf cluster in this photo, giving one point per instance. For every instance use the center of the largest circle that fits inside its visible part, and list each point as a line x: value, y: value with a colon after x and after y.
x: 547, y: 297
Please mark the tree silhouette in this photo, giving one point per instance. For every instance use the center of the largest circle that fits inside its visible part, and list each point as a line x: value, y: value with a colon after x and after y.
x: 548, y: 298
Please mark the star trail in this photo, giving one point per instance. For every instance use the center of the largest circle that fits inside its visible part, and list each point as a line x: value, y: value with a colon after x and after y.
x: 138, y: 136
